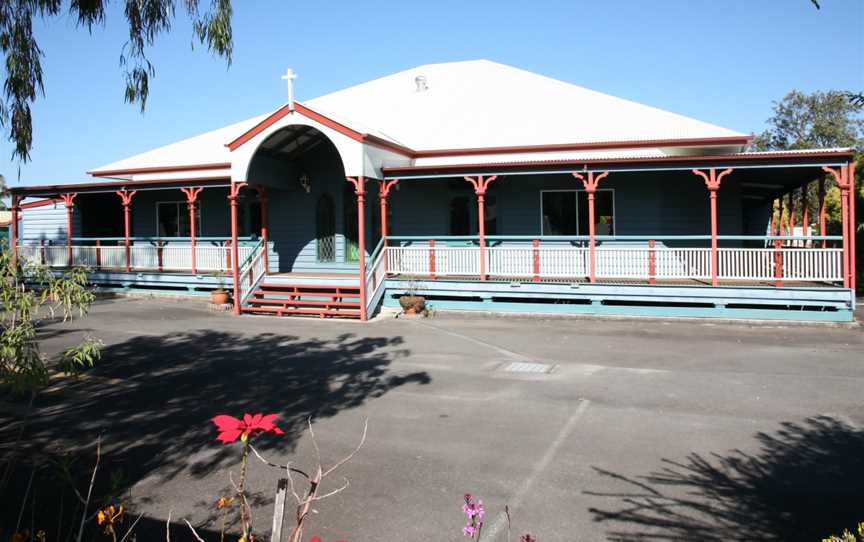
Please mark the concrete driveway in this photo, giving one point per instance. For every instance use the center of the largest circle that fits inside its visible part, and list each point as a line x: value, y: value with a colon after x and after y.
x: 643, y: 431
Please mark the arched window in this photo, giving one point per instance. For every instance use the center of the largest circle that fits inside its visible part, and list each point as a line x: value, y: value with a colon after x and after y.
x: 325, y: 229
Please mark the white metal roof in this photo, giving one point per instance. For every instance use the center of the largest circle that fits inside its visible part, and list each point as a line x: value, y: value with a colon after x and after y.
x: 471, y: 104
x: 480, y: 103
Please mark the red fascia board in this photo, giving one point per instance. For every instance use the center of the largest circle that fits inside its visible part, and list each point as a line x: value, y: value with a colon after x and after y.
x: 633, y: 144
x: 782, y: 157
x: 377, y: 141
x: 167, y: 183
x: 160, y: 169
x: 321, y: 119
x: 40, y: 203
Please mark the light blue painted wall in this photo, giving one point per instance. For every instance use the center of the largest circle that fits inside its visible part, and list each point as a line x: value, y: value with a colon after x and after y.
x: 213, y: 202
x: 47, y: 223
x: 645, y: 204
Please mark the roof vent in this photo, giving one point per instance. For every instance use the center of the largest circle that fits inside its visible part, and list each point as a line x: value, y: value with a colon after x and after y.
x: 420, y: 80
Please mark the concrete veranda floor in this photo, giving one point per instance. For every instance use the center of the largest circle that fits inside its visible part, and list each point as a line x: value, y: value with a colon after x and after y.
x: 646, y: 430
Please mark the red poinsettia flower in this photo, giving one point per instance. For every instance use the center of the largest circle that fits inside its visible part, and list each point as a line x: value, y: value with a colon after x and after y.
x: 230, y: 428
x: 316, y: 539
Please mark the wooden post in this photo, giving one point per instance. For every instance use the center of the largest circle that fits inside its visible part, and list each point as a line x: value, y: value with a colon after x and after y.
x: 652, y: 263
x: 432, y: 259
x: 360, y: 190
x: 590, y: 183
x: 791, y: 217
x: 191, y: 199
x: 822, y: 228
x: 383, y: 192
x: 16, y: 211
x: 841, y: 175
x: 98, y: 254
x: 159, y: 248
x: 233, y: 195
x: 264, y: 202
x: 712, y: 182
x: 480, y: 185
x: 853, y: 224
x: 126, y: 199
x: 805, y: 214
x: 69, y: 201
x: 535, y: 252
x: 778, y: 263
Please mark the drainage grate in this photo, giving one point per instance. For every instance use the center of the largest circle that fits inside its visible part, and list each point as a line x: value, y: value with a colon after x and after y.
x: 525, y: 367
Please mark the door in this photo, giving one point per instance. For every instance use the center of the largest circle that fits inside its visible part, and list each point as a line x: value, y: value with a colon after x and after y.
x: 325, y: 229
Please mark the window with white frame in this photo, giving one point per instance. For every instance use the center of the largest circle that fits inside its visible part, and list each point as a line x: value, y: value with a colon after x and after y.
x: 172, y: 219
x: 565, y: 212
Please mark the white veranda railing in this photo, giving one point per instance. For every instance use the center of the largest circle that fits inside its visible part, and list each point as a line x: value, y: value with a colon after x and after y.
x: 626, y: 262
x: 141, y: 257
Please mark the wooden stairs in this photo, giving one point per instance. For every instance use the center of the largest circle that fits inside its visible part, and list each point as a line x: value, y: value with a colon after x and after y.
x: 321, y: 300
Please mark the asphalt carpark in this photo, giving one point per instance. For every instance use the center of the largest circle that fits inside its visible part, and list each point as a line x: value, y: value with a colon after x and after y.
x: 643, y: 430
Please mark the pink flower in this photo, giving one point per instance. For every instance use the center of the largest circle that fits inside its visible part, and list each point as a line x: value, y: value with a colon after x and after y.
x: 474, y: 513
x: 527, y: 538
x: 230, y: 428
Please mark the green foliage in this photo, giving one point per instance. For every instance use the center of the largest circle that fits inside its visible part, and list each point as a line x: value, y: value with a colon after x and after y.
x: 147, y: 20
x: 24, y: 305
x: 818, y: 120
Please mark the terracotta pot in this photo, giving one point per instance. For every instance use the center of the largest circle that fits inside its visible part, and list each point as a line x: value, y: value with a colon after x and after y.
x: 412, y: 304
x: 219, y: 297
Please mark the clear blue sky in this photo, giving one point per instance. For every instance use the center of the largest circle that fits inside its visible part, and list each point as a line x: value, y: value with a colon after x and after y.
x: 722, y: 62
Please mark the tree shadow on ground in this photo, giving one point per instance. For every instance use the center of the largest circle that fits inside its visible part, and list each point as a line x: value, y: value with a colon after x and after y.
x: 152, y: 397
x: 805, y: 482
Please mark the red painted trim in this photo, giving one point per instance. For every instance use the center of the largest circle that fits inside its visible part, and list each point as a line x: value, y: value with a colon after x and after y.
x: 159, y: 169
x: 40, y: 203
x: 590, y: 182
x: 433, y: 267
x: 535, y: 253
x: 841, y: 175
x: 627, y: 144
x: 16, y: 216
x: 652, y: 262
x: 233, y: 196
x: 109, y: 185
x: 579, y: 164
x: 126, y: 199
x: 301, y: 109
x: 521, y: 149
x: 822, y: 208
x: 191, y: 198
x: 69, y: 202
x: 853, y: 274
x: 778, y: 263
x: 805, y: 215
x: 480, y: 186
x: 360, y: 190
x: 712, y: 183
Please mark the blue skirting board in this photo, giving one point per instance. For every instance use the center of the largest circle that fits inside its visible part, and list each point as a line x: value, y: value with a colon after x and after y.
x: 819, y: 304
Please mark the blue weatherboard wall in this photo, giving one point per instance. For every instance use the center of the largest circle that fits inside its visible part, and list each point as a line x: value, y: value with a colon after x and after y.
x: 651, y: 204
x: 645, y: 204
x: 46, y: 223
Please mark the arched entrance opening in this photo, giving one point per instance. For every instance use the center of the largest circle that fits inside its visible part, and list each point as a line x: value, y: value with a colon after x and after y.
x: 312, y: 209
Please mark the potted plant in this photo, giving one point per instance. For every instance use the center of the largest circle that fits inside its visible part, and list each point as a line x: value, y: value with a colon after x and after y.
x: 219, y: 296
x: 411, y: 302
